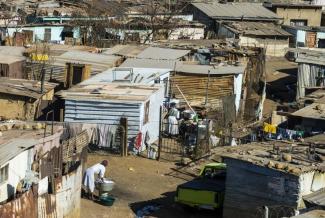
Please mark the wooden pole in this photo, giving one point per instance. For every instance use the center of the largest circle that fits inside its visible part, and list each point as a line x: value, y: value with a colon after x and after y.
x: 160, y: 137
x: 185, y: 99
x: 124, y: 137
x: 207, y: 88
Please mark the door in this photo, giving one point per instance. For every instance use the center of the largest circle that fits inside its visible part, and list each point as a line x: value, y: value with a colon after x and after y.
x: 47, y: 35
x: 311, y: 39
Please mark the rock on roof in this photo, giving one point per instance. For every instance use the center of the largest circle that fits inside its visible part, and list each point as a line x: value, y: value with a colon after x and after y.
x: 230, y: 11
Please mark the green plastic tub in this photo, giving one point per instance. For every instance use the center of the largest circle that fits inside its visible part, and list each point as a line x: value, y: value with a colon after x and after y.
x: 106, y: 200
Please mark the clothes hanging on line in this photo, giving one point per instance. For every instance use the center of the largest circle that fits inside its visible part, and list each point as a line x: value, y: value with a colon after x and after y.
x: 268, y: 128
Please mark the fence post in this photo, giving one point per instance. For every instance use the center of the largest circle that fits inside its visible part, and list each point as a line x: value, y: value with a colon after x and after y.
x: 160, y: 139
x: 266, y: 212
x: 124, y: 138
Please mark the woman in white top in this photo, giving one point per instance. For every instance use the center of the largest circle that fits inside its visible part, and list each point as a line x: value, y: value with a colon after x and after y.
x: 89, y: 176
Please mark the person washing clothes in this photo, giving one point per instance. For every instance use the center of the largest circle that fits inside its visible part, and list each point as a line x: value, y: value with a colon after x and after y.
x: 89, y: 177
x: 173, y: 115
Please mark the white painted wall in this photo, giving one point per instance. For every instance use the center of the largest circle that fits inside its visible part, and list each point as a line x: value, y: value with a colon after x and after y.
x: 18, y: 167
x: 274, y: 47
x: 39, y: 32
x: 311, y: 182
x: 156, y: 100
x: 188, y: 32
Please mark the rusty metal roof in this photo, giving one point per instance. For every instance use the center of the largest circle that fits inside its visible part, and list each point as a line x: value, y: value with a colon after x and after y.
x: 22, y: 87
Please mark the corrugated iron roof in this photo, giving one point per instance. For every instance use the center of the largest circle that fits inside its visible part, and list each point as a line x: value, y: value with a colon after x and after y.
x: 245, y: 11
x: 14, y: 147
x: 149, y: 63
x: 214, y: 70
x: 256, y: 29
x: 140, y: 75
x: 310, y: 55
x: 162, y: 53
x: 316, y: 198
x: 22, y: 87
x: 312, y: 214
x: 125, y: 50
x: 10, y: 59
x: 12, y: 50
x: 97, y: 61
x: 111, y: 91
x: 313, y: 111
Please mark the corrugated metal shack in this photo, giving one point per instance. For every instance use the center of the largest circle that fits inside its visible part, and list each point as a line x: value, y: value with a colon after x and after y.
x: 108, y: 103
x: 23, y: 99
x: 207, y: 84
x: 12, y: 66
x: 209, y: 13
x: 47, y: 163
x: 277, y: 175
x: 257, y: 34
x: 311, y: 70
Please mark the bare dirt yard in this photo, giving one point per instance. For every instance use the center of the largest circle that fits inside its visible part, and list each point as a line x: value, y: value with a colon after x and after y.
x: 141, y: 182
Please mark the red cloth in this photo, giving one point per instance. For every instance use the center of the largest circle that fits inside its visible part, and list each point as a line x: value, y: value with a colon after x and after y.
x: 138, y: 140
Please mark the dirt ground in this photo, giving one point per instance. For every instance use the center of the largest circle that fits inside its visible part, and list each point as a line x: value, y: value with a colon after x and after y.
x: 141, y: 182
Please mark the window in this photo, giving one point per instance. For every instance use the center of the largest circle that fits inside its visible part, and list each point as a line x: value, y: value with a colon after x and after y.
x: 296, y: 22
x: 4, y: 174
x: 146, y: 112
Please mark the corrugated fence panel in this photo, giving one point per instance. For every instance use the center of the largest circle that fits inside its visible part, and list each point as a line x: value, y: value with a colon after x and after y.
x: 104, y: 112
x: 249, y: 187
x: 23, y: 207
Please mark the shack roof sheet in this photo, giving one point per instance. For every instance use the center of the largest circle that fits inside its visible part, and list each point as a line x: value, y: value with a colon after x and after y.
x: 111, y: 91
x: 311, y: 214
x: 306, y: 28
x: 268, y: 154
x: 246, y: 11
x: 317, y: 198
x: 9, y: 59
x: 149, y: 63
x: 313, y: 111
x: 291, y: 5
x: 140, y: 75
x: 98, y: 61
x: 256, y: 29
x: 162, y: 53
x: 125, y: 50
x: 14, y: 147
x: 16, y: 140
x: 12, y: 50
x: 309, y: 55
x: 204, y: 69
x: 22, y: 87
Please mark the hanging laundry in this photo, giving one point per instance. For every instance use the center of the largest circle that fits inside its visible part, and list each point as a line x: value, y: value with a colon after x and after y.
x: 138, y: 141
x: 269, y: 128
x: 300, y: 134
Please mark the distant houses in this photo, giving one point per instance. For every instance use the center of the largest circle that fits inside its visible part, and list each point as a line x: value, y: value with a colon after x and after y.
x: 297, y: 14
